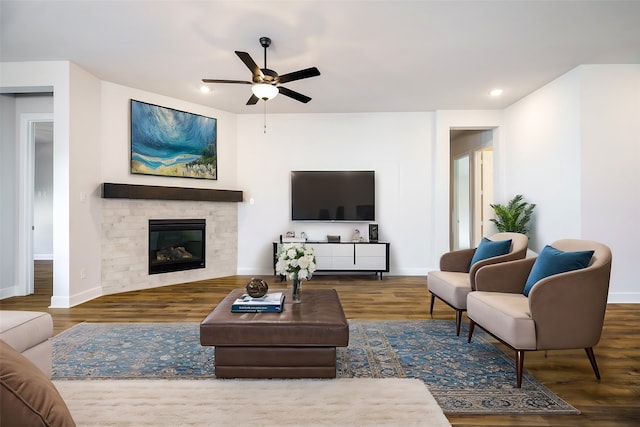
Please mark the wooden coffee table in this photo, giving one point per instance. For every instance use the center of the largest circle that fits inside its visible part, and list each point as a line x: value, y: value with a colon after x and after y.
x: 300, y: 342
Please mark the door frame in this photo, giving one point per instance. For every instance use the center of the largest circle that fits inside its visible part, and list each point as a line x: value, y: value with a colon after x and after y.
x: 478, y: 201
x: 26, y: 179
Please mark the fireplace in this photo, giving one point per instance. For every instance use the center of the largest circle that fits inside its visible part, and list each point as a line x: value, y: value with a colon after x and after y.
x: 176, y: 244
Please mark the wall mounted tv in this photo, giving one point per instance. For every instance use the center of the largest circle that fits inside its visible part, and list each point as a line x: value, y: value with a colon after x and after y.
x: 333, y: 196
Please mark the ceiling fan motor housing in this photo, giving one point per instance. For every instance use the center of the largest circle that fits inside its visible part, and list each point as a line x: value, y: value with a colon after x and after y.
x: 268, y: 77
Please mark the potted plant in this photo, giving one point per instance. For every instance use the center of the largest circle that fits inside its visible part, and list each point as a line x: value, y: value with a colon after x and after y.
x: 514, y: 217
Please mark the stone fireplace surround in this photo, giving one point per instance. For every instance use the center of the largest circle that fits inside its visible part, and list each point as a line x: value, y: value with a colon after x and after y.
x: 126, y: 210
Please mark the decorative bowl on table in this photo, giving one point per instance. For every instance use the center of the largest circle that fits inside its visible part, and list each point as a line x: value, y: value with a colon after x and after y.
x: 257, y: 288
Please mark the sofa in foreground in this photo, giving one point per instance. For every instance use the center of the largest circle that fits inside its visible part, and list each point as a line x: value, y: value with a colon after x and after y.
x: 28, y: 332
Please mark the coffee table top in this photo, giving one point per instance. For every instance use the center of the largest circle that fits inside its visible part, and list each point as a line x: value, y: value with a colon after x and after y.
x: 317, y: 320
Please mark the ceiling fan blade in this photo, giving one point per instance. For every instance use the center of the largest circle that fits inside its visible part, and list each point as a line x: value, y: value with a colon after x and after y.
x: 293, y: 94
x: 253, y: 100
x: 299, y: 75
x: 225, y: 81
x: 250, y: 63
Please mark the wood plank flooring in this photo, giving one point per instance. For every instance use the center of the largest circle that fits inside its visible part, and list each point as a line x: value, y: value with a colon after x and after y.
x: 614, y: 401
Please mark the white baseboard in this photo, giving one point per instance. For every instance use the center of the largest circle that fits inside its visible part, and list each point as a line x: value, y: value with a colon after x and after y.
x: 624, y: 298
x: 12, y: 291
x: 66, y: 302
x: 43, y: 257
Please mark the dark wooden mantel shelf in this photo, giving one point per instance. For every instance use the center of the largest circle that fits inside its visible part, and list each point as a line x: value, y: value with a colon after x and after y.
x: 154, y: 192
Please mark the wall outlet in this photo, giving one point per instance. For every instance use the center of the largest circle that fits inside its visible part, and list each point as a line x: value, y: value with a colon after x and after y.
x: 83, y: 273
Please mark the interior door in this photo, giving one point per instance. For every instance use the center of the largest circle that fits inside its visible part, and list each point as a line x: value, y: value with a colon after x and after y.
x: 461, y: 221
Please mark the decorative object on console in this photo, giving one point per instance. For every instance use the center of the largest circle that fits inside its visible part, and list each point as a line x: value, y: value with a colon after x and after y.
x: 170, y: 142
x: 297, y: 262
x: 333, y: 238
x: 356, y: 236
x: 257, y: 288
x: 373, y: 232
x: 290, y: 237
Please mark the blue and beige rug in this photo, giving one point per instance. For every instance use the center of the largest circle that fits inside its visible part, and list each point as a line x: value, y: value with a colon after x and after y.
x: 464, y: 378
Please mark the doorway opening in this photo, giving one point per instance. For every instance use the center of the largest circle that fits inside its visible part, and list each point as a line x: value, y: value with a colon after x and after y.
x: 471, y: 192
x: 35, y: 223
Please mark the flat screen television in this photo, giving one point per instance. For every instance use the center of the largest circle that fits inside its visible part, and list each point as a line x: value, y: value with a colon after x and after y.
x: 333, y: 196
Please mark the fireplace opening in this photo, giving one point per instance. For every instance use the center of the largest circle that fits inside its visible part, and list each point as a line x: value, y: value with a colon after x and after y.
x: 176, y: 245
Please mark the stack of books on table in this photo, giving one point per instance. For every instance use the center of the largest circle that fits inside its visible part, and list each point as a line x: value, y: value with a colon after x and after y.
x: 270, y: 303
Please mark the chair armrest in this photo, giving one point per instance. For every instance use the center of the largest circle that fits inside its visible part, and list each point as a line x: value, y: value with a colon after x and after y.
x: 457, y: 261
x: 511, y: 256
x: 508, y: 277
x: 569, y: 308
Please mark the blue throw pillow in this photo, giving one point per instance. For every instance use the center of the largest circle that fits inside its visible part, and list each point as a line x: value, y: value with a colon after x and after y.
x: 489, y: 249
x: 553, y: 261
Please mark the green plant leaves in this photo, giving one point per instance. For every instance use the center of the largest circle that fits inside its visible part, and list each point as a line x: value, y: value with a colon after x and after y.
x: 514, y: 217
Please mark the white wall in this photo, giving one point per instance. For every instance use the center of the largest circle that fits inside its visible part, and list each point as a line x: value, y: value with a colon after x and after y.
x: 15, y: 108
x: 395, y: 145
x: 610, y: 179
x: 52, y: 76
x: 542, y: 158
x: 571, y: 148
x: 115, y: 144
x: 8, y: 199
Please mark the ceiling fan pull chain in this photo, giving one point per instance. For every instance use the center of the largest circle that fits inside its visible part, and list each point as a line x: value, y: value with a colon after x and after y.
x: 265, y: 116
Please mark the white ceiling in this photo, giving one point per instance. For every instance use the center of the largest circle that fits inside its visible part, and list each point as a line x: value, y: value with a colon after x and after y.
x: 373, y: 55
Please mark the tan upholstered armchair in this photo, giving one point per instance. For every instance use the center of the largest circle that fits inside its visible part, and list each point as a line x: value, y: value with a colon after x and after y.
x: 456, y: 277
x: 562, y: 311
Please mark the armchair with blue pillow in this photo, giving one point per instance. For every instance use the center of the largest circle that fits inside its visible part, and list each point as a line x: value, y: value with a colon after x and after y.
x: 456, y: 277
x: 553, y: 302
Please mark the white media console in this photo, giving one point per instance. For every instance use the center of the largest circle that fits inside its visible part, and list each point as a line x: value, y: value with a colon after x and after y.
x: 347, y: 257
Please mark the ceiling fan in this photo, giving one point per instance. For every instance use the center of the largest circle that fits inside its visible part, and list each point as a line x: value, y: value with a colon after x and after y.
x: 265, y: 82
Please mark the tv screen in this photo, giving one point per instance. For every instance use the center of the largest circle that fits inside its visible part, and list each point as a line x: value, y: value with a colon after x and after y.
x: 333, y: 196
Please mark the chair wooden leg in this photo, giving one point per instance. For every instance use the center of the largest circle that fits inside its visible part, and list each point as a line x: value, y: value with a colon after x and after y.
x: 472, y: 326
x: 458, y: 321
x: 519, y: 367
x: 433, y: 300
x: 592, y: 359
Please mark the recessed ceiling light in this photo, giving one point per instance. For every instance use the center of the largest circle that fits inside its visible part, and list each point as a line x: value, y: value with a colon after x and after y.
x: 496, y: 92
x: 204, y: 89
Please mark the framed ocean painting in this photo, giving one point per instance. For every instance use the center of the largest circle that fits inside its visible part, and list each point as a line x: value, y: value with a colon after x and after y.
x: 170, y: 142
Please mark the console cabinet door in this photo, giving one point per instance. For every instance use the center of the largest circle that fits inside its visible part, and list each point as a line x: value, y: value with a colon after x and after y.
x: 371, y: 256
x: 343, y: 256
x: 324, y: 255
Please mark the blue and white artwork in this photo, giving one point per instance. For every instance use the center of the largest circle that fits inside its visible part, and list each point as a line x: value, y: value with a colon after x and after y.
x: 170, y: 142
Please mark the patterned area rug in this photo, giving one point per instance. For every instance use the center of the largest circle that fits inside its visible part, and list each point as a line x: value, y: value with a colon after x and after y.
x: 464, y: 378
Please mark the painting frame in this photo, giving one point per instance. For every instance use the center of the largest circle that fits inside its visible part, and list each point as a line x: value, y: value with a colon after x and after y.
x: 169, y: 142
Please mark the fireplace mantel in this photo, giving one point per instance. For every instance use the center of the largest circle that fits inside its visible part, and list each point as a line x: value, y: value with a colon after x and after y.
x: 154, y: 192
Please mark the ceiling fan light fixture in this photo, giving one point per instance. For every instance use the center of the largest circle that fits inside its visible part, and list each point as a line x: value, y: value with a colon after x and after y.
x: 264, y: 91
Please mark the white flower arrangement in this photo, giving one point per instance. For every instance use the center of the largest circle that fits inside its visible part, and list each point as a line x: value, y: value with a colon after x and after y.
x: 296, y: 261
